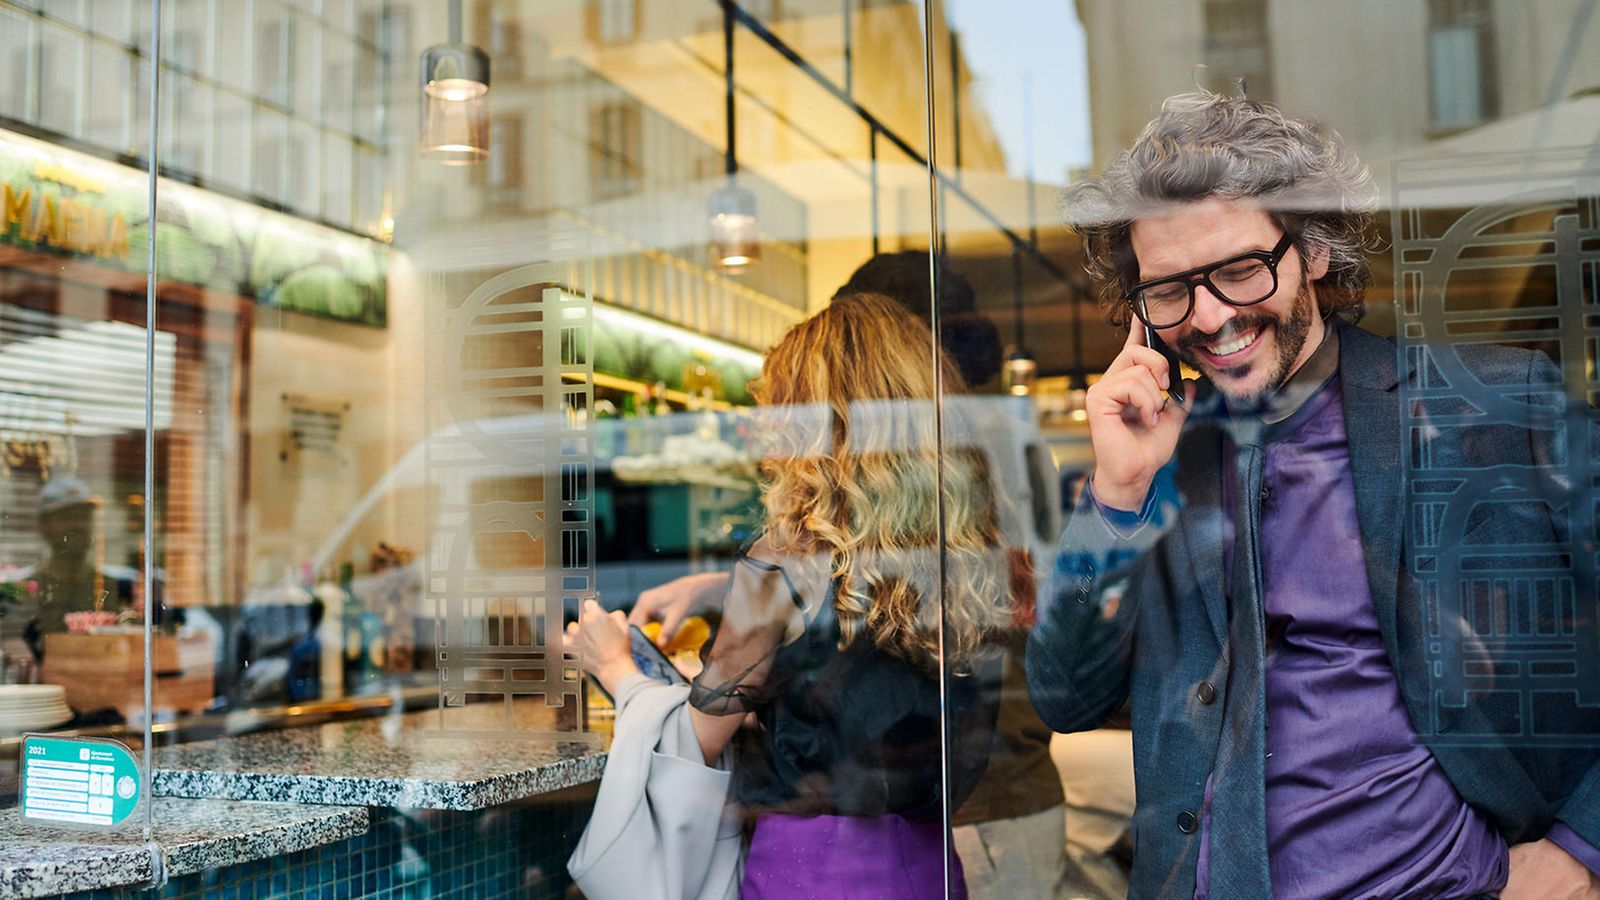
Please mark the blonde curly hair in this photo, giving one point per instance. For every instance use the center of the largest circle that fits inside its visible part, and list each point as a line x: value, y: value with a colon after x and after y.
x: 852, y: 475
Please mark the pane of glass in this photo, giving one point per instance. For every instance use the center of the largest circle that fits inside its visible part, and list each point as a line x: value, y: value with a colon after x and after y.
x: 111, y: 19
x: 186, y: 33
x: 73, y: 376
x: 17, y: 43
x: 231, y: 128
x: 1446, y: 181
x: 374, y: 203
x: 305, y: 158
x: 339, y: 15
x: 887, y: 63
x: 271, y: 157
x: 1012, y: 124
x: 432, y: 370
x: 420, y: 411
x: 305, y: 60
x: 106, y: 96
x: 338, y: 80
x: 235, y: 43
x: 140, y: 22
x: 338, y: 191
x: 60, y: 79
x: 187, y: 115
x: 369, y: 94
x: 73, y: 11
x: 274, y: 48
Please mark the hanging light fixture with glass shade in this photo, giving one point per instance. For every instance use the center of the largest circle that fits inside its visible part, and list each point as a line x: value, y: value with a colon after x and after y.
x: 1021, y: 370
x: 1020, y: 373
x: 735, y: 243
x: 455, y: 99
x: 1078, y: 382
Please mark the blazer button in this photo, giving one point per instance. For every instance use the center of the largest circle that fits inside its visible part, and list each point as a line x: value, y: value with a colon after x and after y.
x: 1206, y: 693
x: 1187, y: 822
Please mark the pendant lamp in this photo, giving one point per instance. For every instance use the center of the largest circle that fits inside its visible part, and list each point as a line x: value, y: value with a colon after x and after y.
x: 455, y: 99
x: 735, y: 240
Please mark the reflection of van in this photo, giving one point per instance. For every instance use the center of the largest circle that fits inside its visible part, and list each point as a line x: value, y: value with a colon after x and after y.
x: 670, y: 495
x: 1006, y: 428
x: 677, y: 493
x: 655, y: 518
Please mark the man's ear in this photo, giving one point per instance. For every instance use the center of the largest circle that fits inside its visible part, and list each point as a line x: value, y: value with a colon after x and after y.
x: 1316, y: 262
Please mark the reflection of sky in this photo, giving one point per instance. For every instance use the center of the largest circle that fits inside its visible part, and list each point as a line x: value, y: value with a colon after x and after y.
x: 1039, y: 41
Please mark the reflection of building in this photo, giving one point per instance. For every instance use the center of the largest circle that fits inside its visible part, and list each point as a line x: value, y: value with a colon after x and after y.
x: 1420, y: 79
x: 1389, y: 76
x: 244, y: 107
x: 643, y: 179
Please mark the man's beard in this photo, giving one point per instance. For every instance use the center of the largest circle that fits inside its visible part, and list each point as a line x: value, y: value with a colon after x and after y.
x: 1289, y: 337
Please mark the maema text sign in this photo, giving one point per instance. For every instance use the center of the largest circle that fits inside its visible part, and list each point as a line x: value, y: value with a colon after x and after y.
x: 78, y: 781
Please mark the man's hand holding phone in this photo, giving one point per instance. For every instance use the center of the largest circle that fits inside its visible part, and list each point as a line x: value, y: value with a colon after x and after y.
x: 1133, y: 422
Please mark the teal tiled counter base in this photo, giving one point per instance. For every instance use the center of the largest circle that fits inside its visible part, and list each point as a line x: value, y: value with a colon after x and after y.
x: 517, y: 850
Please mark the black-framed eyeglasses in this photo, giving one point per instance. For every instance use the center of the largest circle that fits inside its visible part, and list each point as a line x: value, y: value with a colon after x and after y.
x: 1243, y: 280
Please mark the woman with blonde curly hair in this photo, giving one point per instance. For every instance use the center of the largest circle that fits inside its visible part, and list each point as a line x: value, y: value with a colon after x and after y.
x: 835, y: 632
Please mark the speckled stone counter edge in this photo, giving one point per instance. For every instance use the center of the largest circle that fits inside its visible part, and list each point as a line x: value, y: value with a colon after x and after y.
x: 340, y: 823
x: 68, y: 862
x: 401, y: 793
x: 75, y: 867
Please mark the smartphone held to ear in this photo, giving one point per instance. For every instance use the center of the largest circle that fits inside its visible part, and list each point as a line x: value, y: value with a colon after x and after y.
x: 1174, y: 374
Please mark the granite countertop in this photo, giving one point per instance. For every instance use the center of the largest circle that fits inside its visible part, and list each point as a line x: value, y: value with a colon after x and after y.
x: 401, y: 760
x: 38, y: 859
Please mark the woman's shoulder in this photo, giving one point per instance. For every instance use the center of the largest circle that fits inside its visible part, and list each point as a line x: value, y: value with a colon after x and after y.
x: 807, y: 573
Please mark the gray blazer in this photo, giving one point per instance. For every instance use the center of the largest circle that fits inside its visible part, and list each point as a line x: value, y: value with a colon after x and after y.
x: 664, y: 823
x: 1166, y: 637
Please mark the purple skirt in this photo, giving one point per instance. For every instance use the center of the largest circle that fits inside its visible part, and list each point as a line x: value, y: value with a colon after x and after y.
x: 878, y: 858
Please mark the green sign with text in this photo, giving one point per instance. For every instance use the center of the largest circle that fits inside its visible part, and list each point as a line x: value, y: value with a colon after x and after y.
x: 65, y: 203
x: 78, y: 781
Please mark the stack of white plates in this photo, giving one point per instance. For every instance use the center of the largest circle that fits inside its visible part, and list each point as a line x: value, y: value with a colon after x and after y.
x: 32, y: 707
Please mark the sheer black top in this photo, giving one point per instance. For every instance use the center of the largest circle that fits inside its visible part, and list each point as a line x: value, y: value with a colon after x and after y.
x: 852, y: 732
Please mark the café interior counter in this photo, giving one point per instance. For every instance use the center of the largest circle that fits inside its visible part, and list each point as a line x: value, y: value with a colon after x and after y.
x: 370, y: 807
x: 401, y: 760
x: 38, y: 860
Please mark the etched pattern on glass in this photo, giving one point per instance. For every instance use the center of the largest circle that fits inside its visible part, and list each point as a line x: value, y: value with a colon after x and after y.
x: 1502, y: 250
x: 510, y: 464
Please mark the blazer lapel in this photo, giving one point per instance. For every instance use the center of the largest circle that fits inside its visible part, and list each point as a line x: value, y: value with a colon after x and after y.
x: 1205, y: 524
x: 1368, y: 378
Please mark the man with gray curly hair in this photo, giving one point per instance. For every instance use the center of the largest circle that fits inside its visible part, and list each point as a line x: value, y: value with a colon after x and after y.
x: 1236, y: 570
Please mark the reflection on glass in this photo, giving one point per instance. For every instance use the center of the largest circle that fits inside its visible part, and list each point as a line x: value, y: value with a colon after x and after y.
x: 455, y: 115
x: 455, y: 132
x: 315, y: 414
x: 735, y: 242
x: 836, y: 622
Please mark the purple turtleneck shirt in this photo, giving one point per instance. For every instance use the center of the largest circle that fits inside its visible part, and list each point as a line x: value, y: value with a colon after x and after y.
x: 1357, y: 806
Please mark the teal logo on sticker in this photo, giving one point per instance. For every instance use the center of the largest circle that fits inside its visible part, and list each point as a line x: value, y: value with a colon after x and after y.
x: 78, y: 781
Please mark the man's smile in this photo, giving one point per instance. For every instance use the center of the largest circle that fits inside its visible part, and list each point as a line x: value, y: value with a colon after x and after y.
x: 1231, y: 350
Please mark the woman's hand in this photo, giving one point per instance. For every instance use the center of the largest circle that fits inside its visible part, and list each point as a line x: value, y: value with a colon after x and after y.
x: 676, y: 600
x: 603, y: 644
